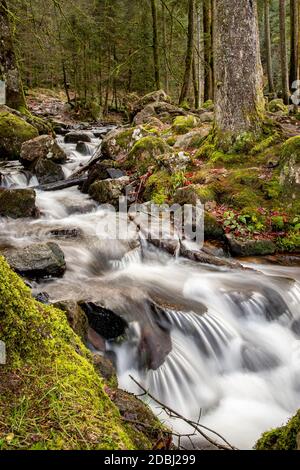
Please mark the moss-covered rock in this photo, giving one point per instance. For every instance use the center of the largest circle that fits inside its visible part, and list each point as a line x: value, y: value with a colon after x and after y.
x: 117, y: 143
x: 76, y: 317
x: 13, y: 132
x: 109, y: 191
x: 213, y: 230
x: 290, y: 167
x: 145, y: 152
x: 51, y: 396
x: 278, y: 106
x: 248, y: 247
x: 44, y: 147
x: 183, y: 124
x: 17, y: 203
x: 284, y: 438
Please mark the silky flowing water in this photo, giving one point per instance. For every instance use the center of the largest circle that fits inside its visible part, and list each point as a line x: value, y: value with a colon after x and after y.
x: 234, y: 355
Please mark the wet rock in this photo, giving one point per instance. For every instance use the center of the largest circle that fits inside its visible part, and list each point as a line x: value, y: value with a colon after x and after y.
x: 244, y: 247
x: 78, y: 136
x: 42, y: 297
x: 65, y: 233
x: 109, y: 191
x: 48, y: 172
x: 144, y: 115
x: 18, y: 203
x: 95, y: 340
x: 75, y: 316
x: 83, y: 148
x: 104, y: 321
x: 37, y: 261
x: 42, y: 147
x: 14, y: 131
x: 105, y: 367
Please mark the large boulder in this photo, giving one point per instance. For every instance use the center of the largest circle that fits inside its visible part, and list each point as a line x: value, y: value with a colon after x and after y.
x: 150, y: 98
x: 183, y: 124
x: 17, y: 203
x: 117, y: 143
x: 42, y: 147
x: 193, y: 139
x: 277, y: 106
x: 13, y: 132
x: 144, y: 116
x: 37, y: 261
x: 248, y: 247
x: 109, y: 191
x: 145, y: 153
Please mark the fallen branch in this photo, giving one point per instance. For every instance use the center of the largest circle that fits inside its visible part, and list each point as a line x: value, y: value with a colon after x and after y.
x: 195, y: 425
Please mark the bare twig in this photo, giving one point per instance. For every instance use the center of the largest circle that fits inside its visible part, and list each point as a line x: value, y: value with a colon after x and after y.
x: 196, y: 425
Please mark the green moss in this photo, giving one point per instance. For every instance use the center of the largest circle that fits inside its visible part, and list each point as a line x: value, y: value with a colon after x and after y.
x: 207, y: 104
x: 183, y: 124
x: 206, y: 193
x: 51, y: 396
x: 278, y: 105
x: 13, y: 132
x: 272, y: 188
x: 283, y: 438
x: 123, y: 139
x: 213, y: 230
x: 291, y: 149
x: 245, y: 198
x: 171, y: 140
x: 145, y: 152
x: 265, y: 144
x: 158, y: 187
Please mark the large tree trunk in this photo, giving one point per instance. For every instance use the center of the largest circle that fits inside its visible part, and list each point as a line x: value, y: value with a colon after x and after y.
x: 9, y: 72
x: 189, y: 54
x: 208, y: 49
x: 283, y: 52
x: 155, y: 45
x: 294, y: 66
x: 239, y: 100
x: 268, y: 45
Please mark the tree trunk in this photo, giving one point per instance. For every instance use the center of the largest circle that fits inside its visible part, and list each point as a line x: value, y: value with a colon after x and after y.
x: 195, y: 84
x: 189, y: 54
x: 294, y: 66
x: 268, y: 45
x: 164, y: 33
x: 207, y: 31
x: 283, y: 52
x: 8, y: 65
x: 239, y: 100
x: 200, y: 54
x: 155, y: 45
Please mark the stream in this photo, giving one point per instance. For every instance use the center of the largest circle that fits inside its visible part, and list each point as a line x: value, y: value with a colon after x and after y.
x: 223, y: 344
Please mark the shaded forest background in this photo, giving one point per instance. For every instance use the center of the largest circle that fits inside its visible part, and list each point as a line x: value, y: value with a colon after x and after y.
x: 100, y: 50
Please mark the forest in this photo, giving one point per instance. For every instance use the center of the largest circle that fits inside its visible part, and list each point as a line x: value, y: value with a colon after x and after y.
x: 149, y: 225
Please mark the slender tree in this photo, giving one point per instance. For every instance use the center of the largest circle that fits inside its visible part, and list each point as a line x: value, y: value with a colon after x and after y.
x: 239, y: 100
x: 155, y: 45
x: 189, y: 54
x: 208, y: 47
x: 294, y: 64
x: 9, y: 71
x: 268, y: 46
x: 283, y: 52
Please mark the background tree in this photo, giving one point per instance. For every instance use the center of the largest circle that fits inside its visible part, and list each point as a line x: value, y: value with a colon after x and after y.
x: 189, y: 53
x: 294, y: 60
x: 283, y: 52
x: 9, y: 71
x: 268, y: 46
x: 239, y: 101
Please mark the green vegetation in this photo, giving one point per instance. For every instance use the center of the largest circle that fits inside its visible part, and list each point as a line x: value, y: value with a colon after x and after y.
x: 284, y: 438
x: 13, y: 132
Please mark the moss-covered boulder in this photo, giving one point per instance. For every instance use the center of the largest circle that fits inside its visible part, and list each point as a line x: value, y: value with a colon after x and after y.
x: 250, y: 247
x: 193, y: 139
x: 109, y: 191
x: 13, y: 132
x: 47, y: 171
x: 76, y: 317
x: 213, y: 230
x: 17, y: 203
x: 51, y: 396
x: 145, y: 153
x: 284, y: 438
x: 117, y: 143
x: 278, y: 106
x: 183, y: 124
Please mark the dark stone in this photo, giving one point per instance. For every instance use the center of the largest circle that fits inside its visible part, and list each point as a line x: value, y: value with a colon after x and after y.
x: 43, y: 147
x: 78, y: 136
x: 83, y: 148
x: 104, y: 321
x: 75, y: 316
x: 37, y: 261
x: 65, y: 233
x: 48, y: 171
x: 105, y: 367
x: 247, y: 247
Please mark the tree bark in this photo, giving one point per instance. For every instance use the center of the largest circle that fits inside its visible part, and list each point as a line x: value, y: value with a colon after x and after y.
x: 9, y: 71
x: 239, y: 100
x: 155, y: 45
x: 268, y: 45
x: 283, y: 52
x: 189, y: 54
x: 208, y: 49
x: 294, y: 65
